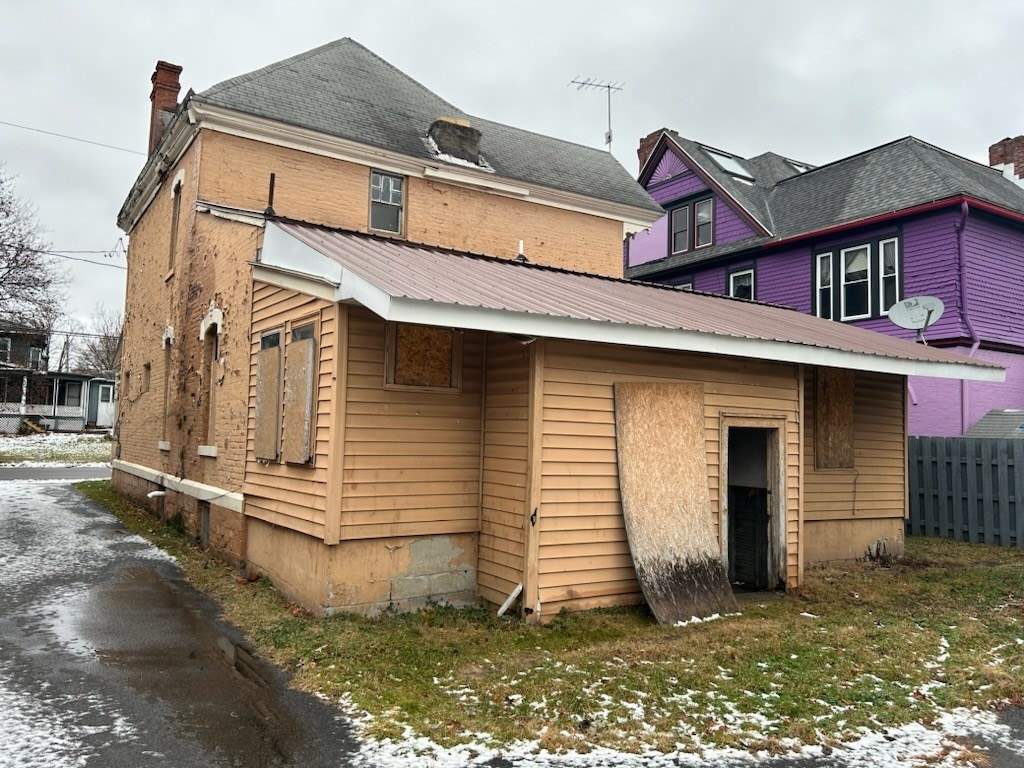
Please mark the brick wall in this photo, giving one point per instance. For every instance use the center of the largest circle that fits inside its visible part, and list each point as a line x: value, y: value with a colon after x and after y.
x: 211, y: 270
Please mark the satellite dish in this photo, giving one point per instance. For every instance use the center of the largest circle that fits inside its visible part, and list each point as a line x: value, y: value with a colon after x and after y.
x: 916, y: 313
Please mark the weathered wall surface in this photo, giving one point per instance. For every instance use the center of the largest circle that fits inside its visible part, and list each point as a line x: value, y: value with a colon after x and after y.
x: 584, y: 559
x: 847, y: 510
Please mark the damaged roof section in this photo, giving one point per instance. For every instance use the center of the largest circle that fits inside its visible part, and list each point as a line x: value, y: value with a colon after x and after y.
x: 434, y: 286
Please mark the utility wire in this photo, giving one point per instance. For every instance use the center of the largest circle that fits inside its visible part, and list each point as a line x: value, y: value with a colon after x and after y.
x: 72, y: 138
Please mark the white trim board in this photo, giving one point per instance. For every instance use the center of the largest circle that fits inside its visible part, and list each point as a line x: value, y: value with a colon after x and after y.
x: 201, y: 491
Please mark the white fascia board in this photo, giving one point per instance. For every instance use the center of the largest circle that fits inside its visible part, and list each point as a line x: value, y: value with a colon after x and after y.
x: 287, y: 262
x: 280, y: 134
x: 521, y: 323
x: 289, y: 253
x: 294, y: 281
x: 201, y: 491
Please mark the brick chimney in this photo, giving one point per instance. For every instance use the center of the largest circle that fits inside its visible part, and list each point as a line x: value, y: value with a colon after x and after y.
x: 1008, y: 152
x: 647, y: 144
x: 164, y: 99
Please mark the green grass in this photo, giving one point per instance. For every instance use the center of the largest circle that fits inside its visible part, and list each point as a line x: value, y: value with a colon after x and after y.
x: 883, y: 646
x: 70, y: 449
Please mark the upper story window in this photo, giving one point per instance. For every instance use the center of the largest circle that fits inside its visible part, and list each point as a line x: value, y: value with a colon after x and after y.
x: 386, y: 202
x: 692, y: 225
x: 741, y: 284
x: 35, y: 358
x: 859, y: 281
x: 5, y: 349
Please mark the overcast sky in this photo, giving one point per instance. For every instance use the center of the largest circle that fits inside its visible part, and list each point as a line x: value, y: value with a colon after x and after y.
x: 815, y: 81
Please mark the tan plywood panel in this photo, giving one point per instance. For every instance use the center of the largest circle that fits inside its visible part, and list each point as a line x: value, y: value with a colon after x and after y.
x: 663, y: 477
x: 268, y: 405
x: 298, y: 401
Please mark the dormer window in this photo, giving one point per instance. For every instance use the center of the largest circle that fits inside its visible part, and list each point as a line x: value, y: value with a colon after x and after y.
x: 692, y: 225
x: 386, y: 202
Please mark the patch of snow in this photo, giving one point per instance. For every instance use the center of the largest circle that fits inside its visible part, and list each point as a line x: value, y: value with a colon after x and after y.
x: 704, y: 620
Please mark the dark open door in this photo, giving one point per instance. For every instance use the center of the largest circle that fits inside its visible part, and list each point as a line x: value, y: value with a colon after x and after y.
x: 749, y: 496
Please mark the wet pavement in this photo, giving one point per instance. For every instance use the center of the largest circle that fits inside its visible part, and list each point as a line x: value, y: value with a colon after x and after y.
x: 55, y: 473
x: 109, y: 658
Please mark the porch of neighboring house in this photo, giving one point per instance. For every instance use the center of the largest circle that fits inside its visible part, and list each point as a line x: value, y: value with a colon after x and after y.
x: 39, y: 401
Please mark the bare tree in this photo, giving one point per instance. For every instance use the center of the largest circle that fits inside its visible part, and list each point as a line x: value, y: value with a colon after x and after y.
x: 96, y: 351
x: 29, y: 280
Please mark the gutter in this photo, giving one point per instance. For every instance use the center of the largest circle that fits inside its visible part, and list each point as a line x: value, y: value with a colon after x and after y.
x: 975, y: 339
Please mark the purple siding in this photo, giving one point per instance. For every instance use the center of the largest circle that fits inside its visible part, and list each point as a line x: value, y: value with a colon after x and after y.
x: 995, y: 272
x: 729, y: 227
x: 649, y: 244
x: 936, y: 406
x: 785, y: 278
x: 686, y: 183
x: 710, y: 280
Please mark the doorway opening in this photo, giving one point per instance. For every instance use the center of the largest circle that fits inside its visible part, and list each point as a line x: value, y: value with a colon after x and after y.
x: 754, y: 520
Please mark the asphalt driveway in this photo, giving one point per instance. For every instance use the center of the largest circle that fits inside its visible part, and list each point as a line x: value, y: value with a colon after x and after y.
x: 108, y: 658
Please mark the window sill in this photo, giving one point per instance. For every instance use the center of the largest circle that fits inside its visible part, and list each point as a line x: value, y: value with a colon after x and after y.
x: 210, y: 451
x: 163, y: 445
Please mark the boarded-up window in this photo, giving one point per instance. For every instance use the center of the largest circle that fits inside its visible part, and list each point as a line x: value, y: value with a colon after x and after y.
x: 268, y: 403
x: 298, y: 396
x: 424, y: 357
x: 833, y: 419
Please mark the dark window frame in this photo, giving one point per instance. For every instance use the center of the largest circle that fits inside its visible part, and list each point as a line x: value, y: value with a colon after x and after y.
x: 834, y: 253
x: 692, y: 229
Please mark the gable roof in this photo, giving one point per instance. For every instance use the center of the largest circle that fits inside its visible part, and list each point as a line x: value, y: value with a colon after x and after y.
x: 900, y: 175
x: 343, y: 89
x: 420, y: 284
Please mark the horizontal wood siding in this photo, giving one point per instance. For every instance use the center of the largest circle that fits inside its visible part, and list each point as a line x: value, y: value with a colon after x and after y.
x: 411, y: 458
x: 729, y: 225
x: 292, y: 495
x: 679, y: 186
x: 993, y: 263
x: 876, y: 486
x: 584, y: 558
x: 503, y: 513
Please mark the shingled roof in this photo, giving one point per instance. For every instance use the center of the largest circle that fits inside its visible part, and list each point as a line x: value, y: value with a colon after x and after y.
x: 787, y: 203
x: 343, y: 89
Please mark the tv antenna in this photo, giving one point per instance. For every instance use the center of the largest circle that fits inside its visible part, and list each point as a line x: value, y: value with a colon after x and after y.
x: 916, y: 314
x: 608, y: 87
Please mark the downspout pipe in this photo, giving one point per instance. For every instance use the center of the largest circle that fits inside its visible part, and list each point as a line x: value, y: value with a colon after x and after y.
x: 972, y: 334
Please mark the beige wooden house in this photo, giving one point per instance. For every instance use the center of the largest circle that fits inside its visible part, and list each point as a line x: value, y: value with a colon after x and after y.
x: 426, y: 424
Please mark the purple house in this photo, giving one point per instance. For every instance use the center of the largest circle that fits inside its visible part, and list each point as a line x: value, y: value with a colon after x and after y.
x: 845, y: 241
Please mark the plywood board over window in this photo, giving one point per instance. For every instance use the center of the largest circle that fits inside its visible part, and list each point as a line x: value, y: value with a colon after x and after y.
x: 833, y: 419
x: 298, y: 401
x: 423, y: 357
x: 268, y: 404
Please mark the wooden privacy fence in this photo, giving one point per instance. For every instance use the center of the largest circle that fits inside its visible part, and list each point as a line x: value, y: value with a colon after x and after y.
x: 967, y: 488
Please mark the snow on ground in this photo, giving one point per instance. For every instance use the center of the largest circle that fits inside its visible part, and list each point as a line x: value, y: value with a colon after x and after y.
x: 55, y: 449
x: 948, y: 744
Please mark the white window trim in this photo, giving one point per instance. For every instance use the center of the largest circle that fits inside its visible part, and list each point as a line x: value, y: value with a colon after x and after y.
x: 732, y: 283
x: 881, y: 273
x: 843, y: 283
x: 818, y: 286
